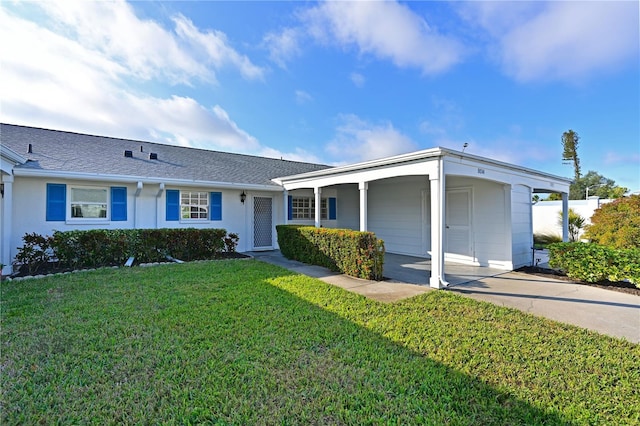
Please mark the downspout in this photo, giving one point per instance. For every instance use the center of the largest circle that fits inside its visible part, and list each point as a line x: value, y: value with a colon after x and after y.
x: 135, y: 204
x: 443, y: 212
x: 158, y: 195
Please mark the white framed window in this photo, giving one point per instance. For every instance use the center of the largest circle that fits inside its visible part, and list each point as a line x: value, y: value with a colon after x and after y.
x: 194, y: 205
x: 89, y: 202
x: 305, y: 208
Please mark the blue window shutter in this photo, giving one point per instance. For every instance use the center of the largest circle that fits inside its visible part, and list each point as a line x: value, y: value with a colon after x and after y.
x: 118, y: 203
x: 173, y: 204
x: 290, y: 209
x: 332, y: 208
x: 56, y: 202
x: 215, y: 209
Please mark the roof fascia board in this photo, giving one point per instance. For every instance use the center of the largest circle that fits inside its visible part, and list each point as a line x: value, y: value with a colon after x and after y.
x: 148, y: 180
x: 11, y: 155
x: 372, y: 164
x: 464, y: 156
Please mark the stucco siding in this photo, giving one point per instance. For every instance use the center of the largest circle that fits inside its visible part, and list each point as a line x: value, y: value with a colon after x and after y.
x: 490, y: 224
x: 348, y: 206
x: 395, y: 213
x: 146, y: 210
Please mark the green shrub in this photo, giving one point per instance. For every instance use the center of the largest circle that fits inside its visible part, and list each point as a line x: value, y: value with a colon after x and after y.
x: 617, y: 224
x: 359, y: 254
x: 35, y: 253
x: 593, y: 262
x: 102, y: 247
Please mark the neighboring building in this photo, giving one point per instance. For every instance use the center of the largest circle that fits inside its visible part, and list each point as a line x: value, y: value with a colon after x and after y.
x: 434, y: 203
x: 546, y: 214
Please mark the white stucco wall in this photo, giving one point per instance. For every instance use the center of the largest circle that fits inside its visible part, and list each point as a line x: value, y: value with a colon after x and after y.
x: 546, y: 213
x: 144, y: 211
x: 348, y: 206
x: 521, y: 235
x: 395, y: 213
x: 490, y: 221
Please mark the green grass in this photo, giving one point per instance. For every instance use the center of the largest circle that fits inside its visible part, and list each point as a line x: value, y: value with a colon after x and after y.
x: 242, y: 342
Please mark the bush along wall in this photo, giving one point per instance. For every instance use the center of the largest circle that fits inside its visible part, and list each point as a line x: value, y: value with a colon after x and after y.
x: 358, y: 254
x: 593, y: 262
x: 110, y: 247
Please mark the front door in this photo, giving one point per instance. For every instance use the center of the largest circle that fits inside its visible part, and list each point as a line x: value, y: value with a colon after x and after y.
x: 262, y: 223
x: 458, y: 223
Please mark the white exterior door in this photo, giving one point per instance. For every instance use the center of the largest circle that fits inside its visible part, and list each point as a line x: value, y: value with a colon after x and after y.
x: 458, y: 223
x: 262, y: 223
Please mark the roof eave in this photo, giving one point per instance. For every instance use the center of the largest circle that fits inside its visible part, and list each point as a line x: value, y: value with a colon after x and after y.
x: 143, y: 179
x: 381, y: 162
x: 11, y: 155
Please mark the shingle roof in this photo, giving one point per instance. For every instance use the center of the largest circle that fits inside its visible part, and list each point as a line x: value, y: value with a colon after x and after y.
x: 60, y: 151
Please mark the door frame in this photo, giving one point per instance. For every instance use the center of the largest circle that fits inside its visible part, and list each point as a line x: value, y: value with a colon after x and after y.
x: 253, y: 224
x: 456, y: 257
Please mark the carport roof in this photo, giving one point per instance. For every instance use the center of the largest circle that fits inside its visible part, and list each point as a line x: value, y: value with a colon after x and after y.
x: 419, y: 156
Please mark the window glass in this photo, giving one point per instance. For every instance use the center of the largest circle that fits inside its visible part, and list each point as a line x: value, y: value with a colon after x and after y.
x: 305, y: 208
x: 194, y: 205
x: 89, y: 203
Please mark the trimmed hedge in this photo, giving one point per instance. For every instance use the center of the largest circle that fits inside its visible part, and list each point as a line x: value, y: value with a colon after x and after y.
x: 109, y: 247
x: 355, y: 253
x: 592, y: 262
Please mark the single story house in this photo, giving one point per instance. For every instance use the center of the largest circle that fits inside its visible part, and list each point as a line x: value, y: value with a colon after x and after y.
x: 436, y: 203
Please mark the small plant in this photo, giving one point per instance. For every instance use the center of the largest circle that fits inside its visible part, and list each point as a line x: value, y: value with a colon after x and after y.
x: 35, y: 253
x: 576, y: 223
x: 540, y: 241
x: 231, y: 242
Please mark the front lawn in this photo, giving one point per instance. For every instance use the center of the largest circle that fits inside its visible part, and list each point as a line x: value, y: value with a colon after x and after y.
x: 243, y: 342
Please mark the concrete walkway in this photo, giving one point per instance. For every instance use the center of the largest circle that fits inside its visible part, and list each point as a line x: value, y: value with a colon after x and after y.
x: 605, y: 311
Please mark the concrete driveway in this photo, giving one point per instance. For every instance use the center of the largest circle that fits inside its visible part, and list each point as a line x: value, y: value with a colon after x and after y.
x: 605, y: 311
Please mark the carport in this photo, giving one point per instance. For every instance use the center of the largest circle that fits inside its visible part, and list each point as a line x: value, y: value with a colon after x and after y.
x: 437, y: 204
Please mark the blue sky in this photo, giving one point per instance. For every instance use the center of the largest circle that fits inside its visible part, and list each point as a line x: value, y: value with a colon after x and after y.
x: 335, y: 82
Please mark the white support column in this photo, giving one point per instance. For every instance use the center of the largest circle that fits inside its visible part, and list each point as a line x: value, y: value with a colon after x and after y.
x: 363, y: 187
x: 318, y: 193
x: 565, y: 217
x: 437, y: 279
x: 285, y: 195
x: 7, y: 218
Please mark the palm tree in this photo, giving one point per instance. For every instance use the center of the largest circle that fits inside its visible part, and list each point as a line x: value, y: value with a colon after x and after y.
x: 576, y: 223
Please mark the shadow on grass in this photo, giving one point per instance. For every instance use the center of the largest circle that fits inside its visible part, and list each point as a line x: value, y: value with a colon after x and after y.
x: 227, y: 343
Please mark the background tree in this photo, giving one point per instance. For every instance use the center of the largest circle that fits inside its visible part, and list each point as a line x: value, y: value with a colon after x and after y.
x: 616, y: 224
x: 570, y: 151
x: 595, y: 182
x: 598, y: 186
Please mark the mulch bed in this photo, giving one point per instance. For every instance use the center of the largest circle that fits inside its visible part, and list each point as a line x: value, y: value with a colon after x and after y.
x: 620, y: 286
x: 53, y: 268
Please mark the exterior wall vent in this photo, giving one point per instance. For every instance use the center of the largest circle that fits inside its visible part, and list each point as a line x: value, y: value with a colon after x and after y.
x: 128, y: 153
x: 153, y: 156
x: 30, y: 149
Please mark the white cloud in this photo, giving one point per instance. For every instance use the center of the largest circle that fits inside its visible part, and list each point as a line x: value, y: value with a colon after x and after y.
x: 387, y: 30
x: 359, y: 140
x: 214, y: 45
x: 303, y: 97
x: 357, y: 79
x: 561, y: 40
x: 616, y: 158
x: 282, y: 46
x: 64, y: 76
